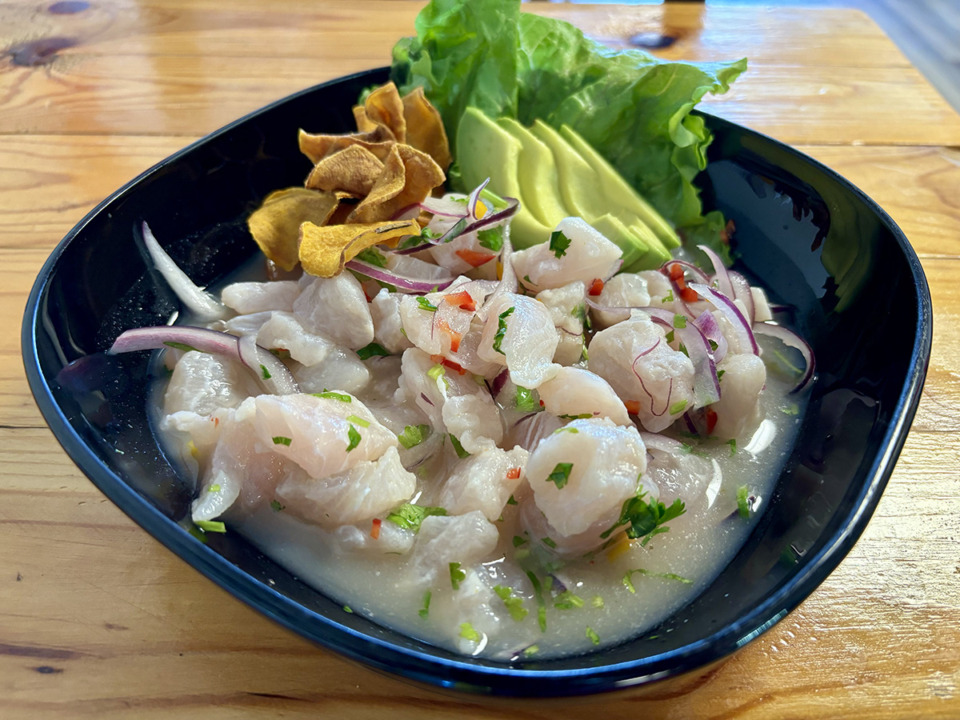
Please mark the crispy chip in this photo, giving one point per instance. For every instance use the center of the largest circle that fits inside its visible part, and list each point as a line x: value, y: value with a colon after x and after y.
x: 275, y: 225
x: 317, y: 147
x: 325, y: 250
x: 408, y: 177
x: 354, y: 170
x: 425, y: 128
x: 364, y: 123
x: 383, y: 106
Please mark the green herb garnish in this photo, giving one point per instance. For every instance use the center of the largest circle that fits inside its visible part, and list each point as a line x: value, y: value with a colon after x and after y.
x: 330, y: 395
x: 354, y: 436
x: 371, y: 350
x: 372, y: 256
x: 628, y: 579
x: 513, y: 602
x: 468, y: 633
x: 645, y: 519
x: 541, y: 604
x: 567, y: 600
x: 426, y: 304
x: 592, y: 635
x: 281, y: 440
x: 560, y: 475
x: 357, y: 420
x: 211, y: 526
x: 678, y: 407
x: 264, y: 372
x: 276, y: 506
x: 559, y: 243
x: 461, y: 453
x: 501, y: 330
x: 526, y: 401
x: 744, y: 506
x: 409, y: 516
x: 457, y: 575
x: 413, y: 435
x: 425, y: 610
x: 491, y: 239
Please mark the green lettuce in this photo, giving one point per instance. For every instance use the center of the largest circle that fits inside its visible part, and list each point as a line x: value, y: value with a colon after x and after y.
x: 632, y: 107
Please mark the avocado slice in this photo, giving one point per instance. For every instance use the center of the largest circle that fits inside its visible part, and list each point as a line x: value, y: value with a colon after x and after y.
x: 618, y: 192
x: 486, y: 150
x: 656, y: 254
x: 539, y: 180
x: 579, y: 185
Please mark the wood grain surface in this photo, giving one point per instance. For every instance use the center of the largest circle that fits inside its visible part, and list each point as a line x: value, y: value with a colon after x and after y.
x: 97, y: 620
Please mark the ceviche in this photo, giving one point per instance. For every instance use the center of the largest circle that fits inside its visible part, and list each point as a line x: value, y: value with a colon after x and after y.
x: 518, y: 420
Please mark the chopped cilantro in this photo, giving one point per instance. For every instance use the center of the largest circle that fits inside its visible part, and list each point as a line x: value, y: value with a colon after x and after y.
x: 567, y: 600
x: 491, y: 239
x: 541, y: 605
x: 410, y: 516
x: 744, y: 504
x: 436, y: 371
x: 329, y: 395
x: 597, y: 602
x: 276, y: 506
x: 357, y: 420
x: 513, y: 602
x: 354, y: 436
x: 457, y: 575
x: 511, y: 500
x: 413, y: 435
x: 215, y: 488
x: 581, y: 416
x: 532, y: 650
x: 348, y: 609
x: 628, y: 579
x: 548, y: 542
x: 425, y: 610
x: 369, y: 351
x: 791, y: 409
x: 501, y: 330
x: 567, y: 430
x: 720, y: 375
x: 526, y: 400
x: 560, y: 475
x: 668, y: 297
x: 211, y: 526
x: 518, y: 540
x: 264, y: 372
x: 180, y: 346
x: 670, y: 336
x: 468, y: 633
x: 678, y: 407
x: 373, y: 257
x: 592, y: 635
x: 646, y: 519
x: 426, y: 304
x: 732, y: 442
x: 559, y: 243
x: 461, y: 453
x: 679, y: 321
x: 281, y: 440
x: 528, y: 280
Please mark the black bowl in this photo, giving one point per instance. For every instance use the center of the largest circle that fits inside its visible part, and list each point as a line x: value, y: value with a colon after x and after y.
x: 817, y: 242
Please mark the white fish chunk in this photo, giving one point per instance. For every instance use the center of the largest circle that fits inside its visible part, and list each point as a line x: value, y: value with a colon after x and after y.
x: 337, y: 309
x: 253, y: 297
x: 203, y: 383
x: 484, y: 482
x: 738, y: 409
x: 523, y: 331
x: 465, y: 539
x: 590, y: 255
x: 575, y: 392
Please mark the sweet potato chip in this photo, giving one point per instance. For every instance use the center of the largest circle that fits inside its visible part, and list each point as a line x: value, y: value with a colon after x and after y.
x: 275, y: 225
x: 316, y: 147
x: 425, y: 128
x: 408, y: 177
x: 383, y: 106
x: 325, y: 250
x: 364, y: 123
x: 353, y: 170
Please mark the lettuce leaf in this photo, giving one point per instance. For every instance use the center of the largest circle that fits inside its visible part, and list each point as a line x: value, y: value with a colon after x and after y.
x: 631, y: 106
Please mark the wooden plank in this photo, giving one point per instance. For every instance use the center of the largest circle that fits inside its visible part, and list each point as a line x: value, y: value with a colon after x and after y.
x: 143, y: 631
x: 288, y: 28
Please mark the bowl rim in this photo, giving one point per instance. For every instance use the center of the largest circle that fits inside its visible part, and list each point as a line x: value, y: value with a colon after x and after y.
x: 469, y: 674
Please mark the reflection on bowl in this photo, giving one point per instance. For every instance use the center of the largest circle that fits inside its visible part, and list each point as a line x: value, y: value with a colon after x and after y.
x: 820, y: 245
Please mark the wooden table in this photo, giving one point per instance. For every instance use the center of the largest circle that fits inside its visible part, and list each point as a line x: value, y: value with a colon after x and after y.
x: 98, y: 620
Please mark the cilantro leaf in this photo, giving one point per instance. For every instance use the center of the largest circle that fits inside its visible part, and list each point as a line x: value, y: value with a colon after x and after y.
x: 646, y: 519
x: 559, y: 243
x: 501, y: 329
x: 560, y: 475
x: 409, y: 516
x: 371, y: 350
x: 413, y: 435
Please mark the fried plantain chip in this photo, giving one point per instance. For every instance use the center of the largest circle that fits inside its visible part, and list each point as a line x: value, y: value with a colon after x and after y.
x: 275, y: 225
x: 425, y: 128
x: 354, y: 170
x: 383, y: 106
x: 324, y: 250
x: 408, y: 177
x: 317, y: 147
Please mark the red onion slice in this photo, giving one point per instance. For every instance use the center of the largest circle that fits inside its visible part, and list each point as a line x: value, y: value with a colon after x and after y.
x: 721, y: 275
x: 401, y: 282
x: 706, y: 384
x: 790, y: 338
x: 474, y: 198
x: 729, y: 310
x: 195, y: 299
x: 710, y: 328
x: 741, y: 292
x: 270, y: 371
x: 445, y: 207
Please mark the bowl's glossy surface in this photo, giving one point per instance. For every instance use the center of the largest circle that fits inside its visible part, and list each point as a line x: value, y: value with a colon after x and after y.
x: 815, y: 241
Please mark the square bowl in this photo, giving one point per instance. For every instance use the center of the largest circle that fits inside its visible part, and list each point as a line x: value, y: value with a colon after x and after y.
x: 817, y: 243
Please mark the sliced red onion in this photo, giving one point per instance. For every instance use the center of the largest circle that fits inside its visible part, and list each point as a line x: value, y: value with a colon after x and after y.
x: 741, y: 292
x: 445, y: 207
x: 493, y: 217
x: 271, y: 373
x: 199, y: 302
x: 464, y: 226
x: 688, y: 267
x: 710, y: 328
x: 280, y: 379
x: 730, y: 311
x: 613, y: 270
x: 474, y: 198
x: 788, y: 337
x: 721, y: 275
x: 498, y: 382
x: 413, y: 285
x: 706, y: 384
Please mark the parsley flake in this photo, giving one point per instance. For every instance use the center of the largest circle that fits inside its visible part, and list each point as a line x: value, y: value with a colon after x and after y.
x: 329, y: 395
x: 501, y: 329
x: 409, y: 516
x: 559, y: 243
x: 209, y: 526
x: 592, y: 635
x: 357, y: 420
x: 526, y: 400
x: 426, y: 304
x: 281, y: 440
x: 513, y: 602
x: 425, y: 610
x: 371, y: 350
x: 264, y: 372
x: 560, y: 475
x: 457, y: 575
x: 468, y: 633
x: 276, y: 506
x: 413, y: 435
x: 354, y: 436
x: 645, y: 519
x: 461, y: 453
